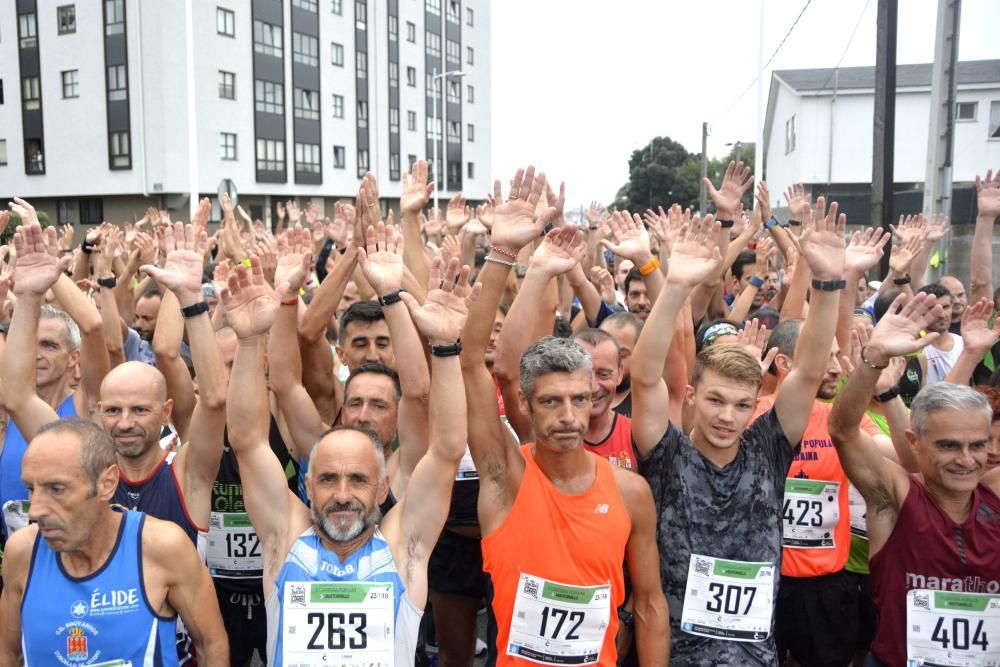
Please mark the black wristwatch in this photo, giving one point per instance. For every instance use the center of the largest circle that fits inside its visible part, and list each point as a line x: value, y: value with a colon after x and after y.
x: 902, y: 280
x: 887, y: 396
x: 110, y: 283
x: 626, y: 618
x: 391, y: 298
x: 725, y: 224
x: 828, y: 285
x: 195, y: 309
x: 447, y: 350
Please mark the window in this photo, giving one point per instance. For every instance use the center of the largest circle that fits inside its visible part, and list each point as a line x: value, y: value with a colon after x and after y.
x: 308, y: 5
x: 362, y: 65
x: 1, y: 91
x: 470, y: 170
x: 91, y: 211
x: 410, y: 160
x: 995, y: 120
x: 965, y: 111
x: 361, y: 14
x: 337, y: 54
x: 227, y: 85
x: 432, y: 132
x: 470, y: 96
x: 453, y: 12
x: 411, y: 77
x: 31, y: 95
x: 114, y: 17
x: 28, y: 31
x: 789, y: 135
x: 470, y: 133
x: 305, y: 49
x: 394, y: 120
x: 35, y: 158
x: 433, y: 6
x: 66, y: 19
x: 117, y: 83
x: 469, y: 17
x: 433, y: 43
x: 433, y: 85
x: 411, y: 32
x: 305, y: 103
x: 470, y: 56
x: 393, y: 28
x: 362, y: 162
x: 337, y: 7
x: 339, y: 157
x: 394, y: 166
x: 338, y: 106
x: 225, y: 22
x: 121, y: 154
x: 362, y: 113
x: 71, y: 83
x: 267, y: 39
x: 270, y: 155
x: 393, y: 73
x: 269, y: 97
x: 3, y: 152
x: 411, y: 121
x: 454, y: 173
x: 454, y: 51
x: 307, y: 158
x: 66, y: 212
x: 454, y: 92
x: 454, y: 132
x: 227, y: 146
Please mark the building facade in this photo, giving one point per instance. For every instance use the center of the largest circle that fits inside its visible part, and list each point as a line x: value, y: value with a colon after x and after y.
x: 110, y: 106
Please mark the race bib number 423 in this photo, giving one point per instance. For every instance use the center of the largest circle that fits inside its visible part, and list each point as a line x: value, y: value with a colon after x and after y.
x: 811, y: 512
x: 952, y: 629
x: 340, y: 624
x: 728, y: 599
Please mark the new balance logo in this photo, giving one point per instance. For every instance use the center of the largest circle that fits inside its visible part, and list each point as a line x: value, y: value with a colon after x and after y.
x: 601, y: 509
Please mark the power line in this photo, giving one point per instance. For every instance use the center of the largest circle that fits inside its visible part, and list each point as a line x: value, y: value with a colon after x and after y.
x: 850, y: 39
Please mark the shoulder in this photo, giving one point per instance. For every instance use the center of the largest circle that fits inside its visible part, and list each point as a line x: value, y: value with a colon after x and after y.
x: 991, y: 480
x: 665, y: 449
x: 634, y: 489
x: 163, y: 541
x: 17, y: 551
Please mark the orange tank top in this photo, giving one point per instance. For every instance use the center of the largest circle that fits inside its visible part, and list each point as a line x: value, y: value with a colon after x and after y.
x: 556, y: 566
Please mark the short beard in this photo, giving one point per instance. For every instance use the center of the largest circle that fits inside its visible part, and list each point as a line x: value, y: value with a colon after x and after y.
x: 365, y: 521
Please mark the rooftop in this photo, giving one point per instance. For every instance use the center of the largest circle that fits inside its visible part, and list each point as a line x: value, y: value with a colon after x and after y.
x: 969, y: 73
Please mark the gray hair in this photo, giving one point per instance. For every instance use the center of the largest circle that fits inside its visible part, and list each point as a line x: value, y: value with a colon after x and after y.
x: 945, y: 396
x: 97, y: 452
x: 368, y: 433
x: 72, y: 330
x: 552, y: 355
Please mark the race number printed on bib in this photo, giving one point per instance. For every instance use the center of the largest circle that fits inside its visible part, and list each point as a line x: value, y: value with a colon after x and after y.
x: 952, y: 629
x: 233, y: 548
x: 339, y: 624
x: 859, y: 512
x: 728, y: 599
x: 15, y: 515
x: 810, y: 512
x: 558, y: 624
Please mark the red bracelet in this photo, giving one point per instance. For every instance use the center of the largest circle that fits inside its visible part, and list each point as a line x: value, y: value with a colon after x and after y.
x: 291, y: 302
x: 502, y: 251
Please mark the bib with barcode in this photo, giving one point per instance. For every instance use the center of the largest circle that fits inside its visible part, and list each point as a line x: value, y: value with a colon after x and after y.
x: 859, y: 512
x: 558, y: 624
x: 810, y: 513
x: 339, y: 624
x: 728, y: 599
x: 466, y: 468
x: 15, y: 515
x: 234, y: 551
x: 952, y: 629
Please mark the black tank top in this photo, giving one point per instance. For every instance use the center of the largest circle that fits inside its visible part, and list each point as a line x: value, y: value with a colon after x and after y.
x: 910, y: 383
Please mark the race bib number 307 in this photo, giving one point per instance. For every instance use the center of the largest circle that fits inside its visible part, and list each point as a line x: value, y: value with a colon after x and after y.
x: 952, y: 629
x: 728, y: 599
x: 341, y: 624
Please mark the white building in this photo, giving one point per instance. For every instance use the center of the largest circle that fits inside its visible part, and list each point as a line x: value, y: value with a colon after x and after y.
x: 107, y: 107
x: 818, y: 131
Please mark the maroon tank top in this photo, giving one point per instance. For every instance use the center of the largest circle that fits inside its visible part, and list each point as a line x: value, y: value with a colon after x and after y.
x: 928, y: 550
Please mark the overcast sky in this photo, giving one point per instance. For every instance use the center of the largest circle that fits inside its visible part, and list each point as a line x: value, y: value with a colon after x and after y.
x: 578, y: 85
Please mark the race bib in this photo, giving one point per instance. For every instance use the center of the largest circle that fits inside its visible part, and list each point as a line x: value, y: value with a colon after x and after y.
x: 810, y: 513
x: 233, y: 548
x: 558, y: 624
x: 728, y: 599
x: 952, y: 629
x: 859, y: 512
x: 466, y: 468
x: 338, y: 624
x: 15, y: 515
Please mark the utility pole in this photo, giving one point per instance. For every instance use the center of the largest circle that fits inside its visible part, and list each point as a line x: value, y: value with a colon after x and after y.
x: 885, y: 119
x: 703, y: 193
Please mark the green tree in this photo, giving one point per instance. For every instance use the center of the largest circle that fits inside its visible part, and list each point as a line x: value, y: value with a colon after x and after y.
x: 8, y: 234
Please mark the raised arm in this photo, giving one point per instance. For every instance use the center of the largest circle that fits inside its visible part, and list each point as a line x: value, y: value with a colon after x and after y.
x: 694, y: 258
x: 106, y: 298
x: 631, y: 242
x: 727, y: 199
x: 988, y: 203
x: 863, y: 253
x: 167, y: 339
x: 766, y: 252
x: 980, y: 331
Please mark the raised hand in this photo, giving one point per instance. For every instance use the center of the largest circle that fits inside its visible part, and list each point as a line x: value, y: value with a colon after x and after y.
x: 110, y: 241
x: 631, y: 240
x: 865, y: 250
x: 767, y: 252
x: 937, y: 228
x: 458, y: 213
x: 416, y: 189
x: 558, y: 203
x: 484, y: 212
x: 734, y: 183
x: 182, y: 273
x: 65, y: 234
x: 988, y: 195
x: 381, y: 260
x: 311, y: 213
x: 821, y: 244
x: 559, y: 252
x: 898, y: 331
x: 604, y: 282
x: 442, y: 316
x: 516, y: 222
x: 294, y: 259
x: 594, y: 214
x: 280, y: 210
x: 799, y: 204
x: 978, y: 334
x: 901, y: 256
x: 293, y: 212
x: 763, y: 201
x: 695, y: 255
x: 434, y: 225
x: 753, y: 338
x: 36, y: 266
x: 908, y: 226
x: 250, y: 306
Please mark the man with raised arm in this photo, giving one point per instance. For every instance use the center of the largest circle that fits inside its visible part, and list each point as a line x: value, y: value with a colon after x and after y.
x: 719, y: 489
x: 933, y: 536
x: 557, y: 520
x: 342, y: 583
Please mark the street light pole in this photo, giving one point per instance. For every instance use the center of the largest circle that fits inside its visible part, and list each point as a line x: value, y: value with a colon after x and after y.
x: 434, y: 83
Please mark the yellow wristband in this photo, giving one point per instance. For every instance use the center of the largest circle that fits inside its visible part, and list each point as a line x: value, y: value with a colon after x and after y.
x: 245, y: 262
x: 649, y: 267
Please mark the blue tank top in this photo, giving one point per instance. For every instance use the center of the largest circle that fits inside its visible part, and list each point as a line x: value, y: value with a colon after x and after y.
x: 100, y: 618
x: 13, y: 493
x: 159, y: 496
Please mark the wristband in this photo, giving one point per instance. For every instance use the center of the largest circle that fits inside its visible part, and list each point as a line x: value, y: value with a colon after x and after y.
x: 756, y: 281
x: 794, y: 223
x: 290, y: 302
x: 497, y: 260
x: 504, y: 252
x: 828, y: 285
x: 245, y: 262
x: 195, y: 310
x: 725, y: 224
x: 391, y: 298
x: 110, y: 283
x: 773, y: 222
x: 87, y: 247
x: 649, y: 267
x: 902, y: 280
x: 870, y: 364
x: 627, y: 619
x: 887, y: 396
x: 447, y: 350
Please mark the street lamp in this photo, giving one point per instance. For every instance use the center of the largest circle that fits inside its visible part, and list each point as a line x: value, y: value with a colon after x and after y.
x: 437, y: 168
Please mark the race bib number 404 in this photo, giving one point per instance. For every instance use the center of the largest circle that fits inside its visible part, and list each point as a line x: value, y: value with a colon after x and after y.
x: 728, y: 599
x: 811, y: 512
x: 340, y: 624
x: 952, y: 629
x: 559, y: 624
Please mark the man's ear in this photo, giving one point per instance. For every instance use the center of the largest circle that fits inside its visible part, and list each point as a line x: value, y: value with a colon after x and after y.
x: 341, y: 355
x: 689, y: 395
